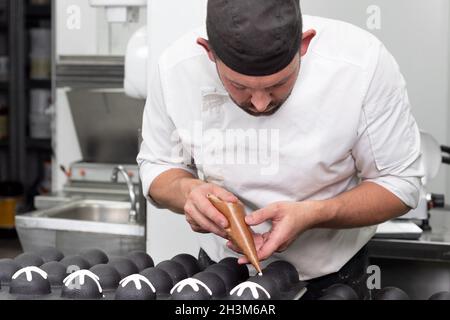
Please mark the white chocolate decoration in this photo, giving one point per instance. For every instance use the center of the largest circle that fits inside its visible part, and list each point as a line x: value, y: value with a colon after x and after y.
x: 137, y: 278
x: 82, y: 274
x: 193, y: 283
x: 249, y: 285
x: 28, y: 272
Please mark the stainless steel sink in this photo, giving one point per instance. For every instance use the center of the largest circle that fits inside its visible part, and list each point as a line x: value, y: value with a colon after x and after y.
x: 95, y: 212
x: 83, y: 224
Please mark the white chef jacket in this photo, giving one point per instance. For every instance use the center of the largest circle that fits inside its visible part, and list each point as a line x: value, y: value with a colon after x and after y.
x: 348, y: 120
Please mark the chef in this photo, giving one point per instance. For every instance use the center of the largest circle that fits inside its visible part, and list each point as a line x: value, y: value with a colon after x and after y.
x: 304, y: 120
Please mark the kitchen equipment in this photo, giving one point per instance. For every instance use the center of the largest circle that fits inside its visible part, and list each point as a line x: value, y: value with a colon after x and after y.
x: 40, y: 126
x: 433, y: 156
x: 40, y: 119
x: 85, y: 281
x: 411, y: 225
x: 40, y: 55
x: 106, y: 124
x: 40, y: 100
x: 120, y: 10
x: 91, y: 209
x: 136, y: 59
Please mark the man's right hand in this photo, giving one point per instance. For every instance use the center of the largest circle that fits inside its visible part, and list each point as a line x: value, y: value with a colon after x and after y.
x: 201, y: 215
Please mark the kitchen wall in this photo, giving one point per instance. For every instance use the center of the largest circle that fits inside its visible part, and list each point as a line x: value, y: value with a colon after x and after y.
x: 83, y: 30
x: 448, y: 100
x: 417, y: 34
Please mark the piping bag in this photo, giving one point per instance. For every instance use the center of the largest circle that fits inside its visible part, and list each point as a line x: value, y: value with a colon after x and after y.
x: 238, y: 230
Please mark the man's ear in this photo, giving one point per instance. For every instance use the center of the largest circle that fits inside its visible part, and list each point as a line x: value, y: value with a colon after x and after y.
x: 306, y: 41
x: 205, y: 44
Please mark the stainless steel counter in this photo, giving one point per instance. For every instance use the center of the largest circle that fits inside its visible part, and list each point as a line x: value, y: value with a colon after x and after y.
x: 433, y: 245
x: 419, y: 267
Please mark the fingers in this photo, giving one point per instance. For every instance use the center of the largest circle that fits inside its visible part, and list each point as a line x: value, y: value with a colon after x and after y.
x: 196, y: 219
x: 260, y: 216
x: 202, y: 215
x: 233, y: 247
x: 204, y: 205
x: 273, y: 241
x: 194, y: 226
x: 224, y: 194
x: 243, y: 260
x: 259, y: 241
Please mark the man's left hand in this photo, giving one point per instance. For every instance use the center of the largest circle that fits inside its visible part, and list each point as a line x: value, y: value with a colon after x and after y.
x: 289, y: 220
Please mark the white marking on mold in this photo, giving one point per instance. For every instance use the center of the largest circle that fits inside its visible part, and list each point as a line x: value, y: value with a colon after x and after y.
x: 28, y: 272
x: 82, y: 274
x: 249, y: 285
x: 137, y: 278
x: 193, y: 283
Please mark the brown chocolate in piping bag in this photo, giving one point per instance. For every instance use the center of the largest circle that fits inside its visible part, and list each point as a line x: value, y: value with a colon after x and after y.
x: 238, y: 230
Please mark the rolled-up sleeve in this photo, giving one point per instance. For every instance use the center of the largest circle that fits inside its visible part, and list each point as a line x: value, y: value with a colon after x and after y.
x: 161, y: 146
x: 387, y: 151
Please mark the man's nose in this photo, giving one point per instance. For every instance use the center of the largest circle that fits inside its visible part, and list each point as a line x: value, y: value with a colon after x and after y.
x: 261, y: 100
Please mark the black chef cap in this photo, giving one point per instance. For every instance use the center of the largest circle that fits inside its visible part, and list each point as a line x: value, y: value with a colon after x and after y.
x: 255, y: 37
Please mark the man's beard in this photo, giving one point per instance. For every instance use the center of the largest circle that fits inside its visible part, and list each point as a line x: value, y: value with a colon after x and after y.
x: 271, y: 109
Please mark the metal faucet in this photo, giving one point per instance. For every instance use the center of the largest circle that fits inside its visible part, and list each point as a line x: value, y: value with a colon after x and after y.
x: 114, y: 178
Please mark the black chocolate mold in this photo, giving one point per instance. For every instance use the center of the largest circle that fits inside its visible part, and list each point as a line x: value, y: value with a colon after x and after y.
x: 241, y: 269
x: 82, y: 285
x: 285, y: 268
x: 135, y: 287
x: 56, y: 272
x: 444, y: 295
x: 189, y: 263
x: 30, y: 281
x: 109, y: 277
x: 391, y: 293
x: 269, y: 284
x: 191, y: 289
x: 124, y: 266
x: 141, y: 259
x: 160, y: 279
x: 229, y: 276
x: 49, y: 254
x: 343, y: 291
x: 249, y: 291
x: 214, y: 282
x: 28, y: 259
x: 94, y: 256
x: 174, y: 269
x: 75, y: 263
x: 7, y: 269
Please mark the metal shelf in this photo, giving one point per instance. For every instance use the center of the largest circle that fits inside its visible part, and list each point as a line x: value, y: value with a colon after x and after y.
x: 39, y: 144
x: 38, y: 12
x: 24, y: 153
x: 4, y: 144
x: 39, y: 84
